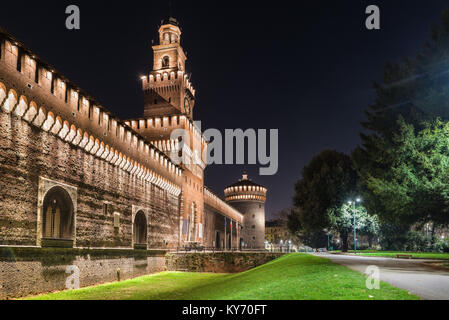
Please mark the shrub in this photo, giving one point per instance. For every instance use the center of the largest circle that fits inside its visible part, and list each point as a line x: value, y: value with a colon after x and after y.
x: 442, y: 246
x: 417, y: 242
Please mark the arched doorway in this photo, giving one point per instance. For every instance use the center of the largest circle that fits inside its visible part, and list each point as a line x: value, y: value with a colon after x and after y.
x: 140, y: 230
x: 58, y: 218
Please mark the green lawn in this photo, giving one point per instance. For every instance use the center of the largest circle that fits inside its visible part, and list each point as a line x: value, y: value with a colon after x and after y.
x: 292, y: 277
x: 392, y: 254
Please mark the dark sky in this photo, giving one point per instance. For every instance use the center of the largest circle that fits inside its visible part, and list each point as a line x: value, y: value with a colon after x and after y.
x: 303, y: 67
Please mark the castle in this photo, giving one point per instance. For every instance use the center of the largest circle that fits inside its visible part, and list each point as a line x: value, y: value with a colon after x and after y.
x: 73, y: 175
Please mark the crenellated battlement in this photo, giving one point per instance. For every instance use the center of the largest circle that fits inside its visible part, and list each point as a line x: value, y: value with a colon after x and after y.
x: 168, y: 145
x: 163, y: 82
x: 167, y: 122
x: 35, y: 92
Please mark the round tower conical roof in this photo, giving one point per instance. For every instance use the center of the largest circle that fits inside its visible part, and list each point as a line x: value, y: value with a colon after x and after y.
x: 245, y: 190
x: 245, y: 181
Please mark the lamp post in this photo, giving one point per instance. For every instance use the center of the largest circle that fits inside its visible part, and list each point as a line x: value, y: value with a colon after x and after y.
x: 353, y: 203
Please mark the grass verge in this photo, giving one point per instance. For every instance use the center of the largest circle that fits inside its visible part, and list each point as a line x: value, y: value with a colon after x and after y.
x: 292, y: 277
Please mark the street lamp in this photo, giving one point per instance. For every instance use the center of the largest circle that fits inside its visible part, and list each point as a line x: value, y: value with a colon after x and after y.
x: 353, y: 203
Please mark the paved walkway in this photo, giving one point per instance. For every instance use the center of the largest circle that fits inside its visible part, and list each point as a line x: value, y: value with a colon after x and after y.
x: 427, y: 282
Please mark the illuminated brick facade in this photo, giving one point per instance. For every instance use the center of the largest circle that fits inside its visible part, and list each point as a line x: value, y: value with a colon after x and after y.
x: 75, y: 175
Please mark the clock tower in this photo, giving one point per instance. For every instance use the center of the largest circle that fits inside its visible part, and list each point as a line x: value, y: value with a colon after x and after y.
x: 169, y: 102
x: 168, y: 90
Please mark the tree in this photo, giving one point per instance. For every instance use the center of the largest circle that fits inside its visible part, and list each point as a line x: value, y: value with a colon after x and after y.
x: 327, y: 182
x: 393, y: 237
x: 415, y: 89
x: 415, y: 92
x: 314, y: 239
x: 370, y: 227
x: 416, y: 186
x: 281, y: 216
x: 343, y: 223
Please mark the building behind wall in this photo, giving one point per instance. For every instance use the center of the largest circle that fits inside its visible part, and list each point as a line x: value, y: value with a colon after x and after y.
x: 277, y: 231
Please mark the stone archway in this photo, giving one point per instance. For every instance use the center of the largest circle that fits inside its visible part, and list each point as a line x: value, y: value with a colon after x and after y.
x: 140, y: 230
x: 57, y: 218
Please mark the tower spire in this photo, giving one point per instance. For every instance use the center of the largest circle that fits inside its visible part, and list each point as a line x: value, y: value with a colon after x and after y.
x: 168, y: 89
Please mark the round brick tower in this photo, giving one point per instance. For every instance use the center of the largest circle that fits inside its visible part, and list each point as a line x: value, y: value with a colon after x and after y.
x: 249, y: 198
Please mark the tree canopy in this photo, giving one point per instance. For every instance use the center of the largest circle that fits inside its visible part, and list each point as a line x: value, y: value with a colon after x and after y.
x: 327, y: 182
x: 402, y: 159
x: 415, y: 189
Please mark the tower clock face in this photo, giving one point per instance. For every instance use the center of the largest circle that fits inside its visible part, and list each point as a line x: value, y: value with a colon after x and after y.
x: 187, y: 106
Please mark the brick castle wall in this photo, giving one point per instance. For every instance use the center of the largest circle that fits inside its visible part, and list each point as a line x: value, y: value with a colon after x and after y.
x: 28, y: 153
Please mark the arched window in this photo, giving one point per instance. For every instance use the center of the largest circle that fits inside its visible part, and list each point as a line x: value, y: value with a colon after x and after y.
x: 165, y: 62
x: 58, y: 215
x: 140, y: 229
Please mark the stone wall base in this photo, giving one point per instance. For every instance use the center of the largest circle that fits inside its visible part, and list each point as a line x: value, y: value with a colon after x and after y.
x: 32, y: 271
x: 220, y: 262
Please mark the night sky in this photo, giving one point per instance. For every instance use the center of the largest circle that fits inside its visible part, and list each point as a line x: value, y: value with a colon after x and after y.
x: 303, y: 67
